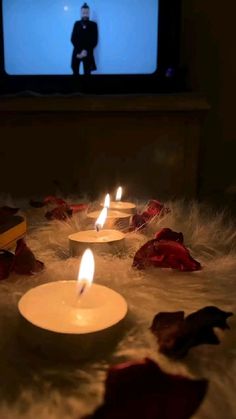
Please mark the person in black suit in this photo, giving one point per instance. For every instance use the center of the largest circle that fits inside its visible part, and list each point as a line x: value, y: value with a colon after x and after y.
x: 84, y: 39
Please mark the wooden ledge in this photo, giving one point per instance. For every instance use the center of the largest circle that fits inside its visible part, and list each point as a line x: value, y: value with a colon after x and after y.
x: 187, y: 102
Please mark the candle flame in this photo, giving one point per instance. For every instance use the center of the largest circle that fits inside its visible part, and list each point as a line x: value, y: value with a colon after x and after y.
x: 119, y: 194
x: 86, y: 272
x: 107, y: 201
x: 101, y: 219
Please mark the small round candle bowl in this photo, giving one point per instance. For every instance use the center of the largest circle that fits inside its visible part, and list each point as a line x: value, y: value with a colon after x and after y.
x: 59, y: 326
x: 103, y: 241
x: 115, y: 219
x: 118, y: 204
x: 123, y: 206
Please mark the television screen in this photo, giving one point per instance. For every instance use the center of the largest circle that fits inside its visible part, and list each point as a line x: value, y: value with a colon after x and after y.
x: 63, y: 37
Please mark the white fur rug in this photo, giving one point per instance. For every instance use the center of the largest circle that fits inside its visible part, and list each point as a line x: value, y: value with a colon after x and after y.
x: 33, y: 387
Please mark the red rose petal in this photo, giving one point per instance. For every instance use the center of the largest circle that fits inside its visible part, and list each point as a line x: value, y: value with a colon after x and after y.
x: 176, y: 335
x: 78, y: 207
x: 154, y: 208
x: 51, y: 199
x: 6, y: 260
x: 138, y: 222
x: 141, y: 390
x: 25, y: 262
x: 168, y: 234
x: 61, y: 213
x: 62, y: 210
x: 165, y: 254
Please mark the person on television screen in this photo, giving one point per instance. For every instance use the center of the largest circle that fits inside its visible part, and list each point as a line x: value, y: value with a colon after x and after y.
x: 84, y: 39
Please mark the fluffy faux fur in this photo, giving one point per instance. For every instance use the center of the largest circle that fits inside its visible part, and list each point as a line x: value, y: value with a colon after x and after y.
x: 31, y: 386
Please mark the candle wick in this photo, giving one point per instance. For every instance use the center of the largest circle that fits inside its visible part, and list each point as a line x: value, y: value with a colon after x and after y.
x: 82, y: 290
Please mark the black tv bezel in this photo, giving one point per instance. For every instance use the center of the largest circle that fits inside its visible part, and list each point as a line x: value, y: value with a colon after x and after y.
x: 169, y: 27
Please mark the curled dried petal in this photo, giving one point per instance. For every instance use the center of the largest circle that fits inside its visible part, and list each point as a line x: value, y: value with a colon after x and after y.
x: 165, y: 254
x: 24, y: 262
x: 176, y: 335
x: 168, y: 234
x: 142, y: 390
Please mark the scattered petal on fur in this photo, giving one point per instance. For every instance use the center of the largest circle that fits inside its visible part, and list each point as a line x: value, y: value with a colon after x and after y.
x: 62, y: 210
x: 138, y: 222
x: 5, y: 211
x: 154, y: 208
x: 24, y: 262
x: 177, y: 335
x: 51, y: 199
x: 168, y: 234
x: 61, y: 213
x: 6, y: 259
x: 142, y: 390
x: 65, y: 211
x: 165, y: 254
x: 78, y: 207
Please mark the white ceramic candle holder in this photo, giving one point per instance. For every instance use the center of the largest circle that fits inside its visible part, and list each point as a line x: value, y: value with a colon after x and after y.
x: 99, y: 241
x: 115, y: 219
x: 61, y: 325
x: 126, y: 207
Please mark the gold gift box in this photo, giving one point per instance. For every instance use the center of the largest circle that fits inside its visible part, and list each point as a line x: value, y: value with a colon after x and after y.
x: 12, y: 228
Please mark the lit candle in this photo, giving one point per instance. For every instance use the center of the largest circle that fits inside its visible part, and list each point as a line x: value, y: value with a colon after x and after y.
x: 98, y: 239
x: 72, y: 318
x: 118, y: 204
x: 107, y: 201
x: 114, y: 218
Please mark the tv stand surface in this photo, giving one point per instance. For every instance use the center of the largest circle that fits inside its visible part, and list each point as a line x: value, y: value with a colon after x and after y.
x: 88, y: 144
x: 101, y: 103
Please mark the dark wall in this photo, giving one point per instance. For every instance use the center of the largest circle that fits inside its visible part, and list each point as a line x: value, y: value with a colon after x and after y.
x: 208, y: 52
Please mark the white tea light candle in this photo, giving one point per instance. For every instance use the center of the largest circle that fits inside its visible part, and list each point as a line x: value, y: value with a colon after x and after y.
x: 115, y: 219
x: 88, y: 313
x: 98, y: 239
x: 55, y: 307
x: 123, y: 206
